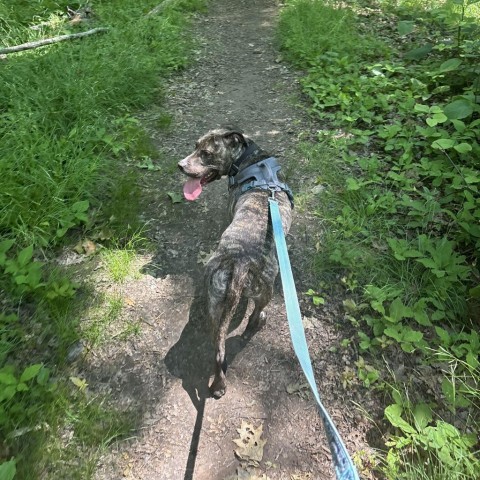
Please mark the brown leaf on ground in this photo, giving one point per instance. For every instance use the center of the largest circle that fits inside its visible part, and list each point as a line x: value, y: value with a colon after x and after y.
x: 129, y: 301
x: 250, y: 445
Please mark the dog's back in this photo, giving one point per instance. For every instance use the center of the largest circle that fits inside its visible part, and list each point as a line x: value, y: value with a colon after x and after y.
x: 248, y: 240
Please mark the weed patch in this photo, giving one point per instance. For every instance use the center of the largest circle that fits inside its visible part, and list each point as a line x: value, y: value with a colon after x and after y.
x: 119, y: 259
x: 397, y: 84
x: 95, y: 329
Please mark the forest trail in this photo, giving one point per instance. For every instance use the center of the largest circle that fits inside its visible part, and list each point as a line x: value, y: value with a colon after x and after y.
x: 161, y: 374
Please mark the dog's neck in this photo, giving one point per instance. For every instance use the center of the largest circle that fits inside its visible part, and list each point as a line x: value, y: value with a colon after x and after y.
x: 248, y: 155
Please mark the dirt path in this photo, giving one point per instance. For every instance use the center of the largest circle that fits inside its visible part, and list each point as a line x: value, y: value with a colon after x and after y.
x: 162, y: 373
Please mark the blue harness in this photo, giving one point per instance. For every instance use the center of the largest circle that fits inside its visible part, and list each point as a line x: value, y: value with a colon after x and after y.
x: 261, y: 175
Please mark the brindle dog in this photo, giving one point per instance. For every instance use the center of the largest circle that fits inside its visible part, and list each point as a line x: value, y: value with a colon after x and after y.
x: 245, y: 261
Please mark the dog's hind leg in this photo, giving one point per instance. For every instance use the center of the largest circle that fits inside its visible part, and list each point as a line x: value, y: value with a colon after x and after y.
x: 219, y: 384
x: 258, y: 317
x: 222, y: 322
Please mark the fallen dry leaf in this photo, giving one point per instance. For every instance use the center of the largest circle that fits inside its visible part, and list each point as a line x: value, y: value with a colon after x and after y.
x: 250, y: 445
x: 204, y: 257
x: 89, y: 247
x: 308, y: 323
x: 78, y: 248
x: 297, y: 388
x: 130, y: 302
x: 85, y: 247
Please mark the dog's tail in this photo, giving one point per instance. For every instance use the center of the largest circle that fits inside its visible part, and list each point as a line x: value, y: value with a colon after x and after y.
x: 228, y: 280
x: 235, y: 289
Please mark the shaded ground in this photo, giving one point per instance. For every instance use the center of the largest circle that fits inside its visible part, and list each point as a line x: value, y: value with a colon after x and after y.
x: 162, y: 373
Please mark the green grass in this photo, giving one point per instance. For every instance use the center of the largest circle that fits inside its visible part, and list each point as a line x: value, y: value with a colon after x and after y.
x: 85, y: 429
x: 56, y: 428
x: 61, y: 110
x: 308, y: 29
x: 69, y: 149
x: 119, y: 258
x: 94, y: 330
x: 118, y: 263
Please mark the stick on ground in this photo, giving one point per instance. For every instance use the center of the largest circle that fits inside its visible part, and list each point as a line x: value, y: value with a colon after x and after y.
x: 49, y: 41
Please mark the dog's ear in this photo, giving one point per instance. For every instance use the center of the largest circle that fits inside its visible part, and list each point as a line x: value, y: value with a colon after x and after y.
x: 236, y: 135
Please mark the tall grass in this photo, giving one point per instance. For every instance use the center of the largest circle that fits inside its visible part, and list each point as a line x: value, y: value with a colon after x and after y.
x: 310, y: 28
x: 57, y: 106
x: 67, y: 136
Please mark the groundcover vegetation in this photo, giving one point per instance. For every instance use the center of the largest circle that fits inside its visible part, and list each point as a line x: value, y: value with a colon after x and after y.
x: 396, y: 85
x: 67, y: 136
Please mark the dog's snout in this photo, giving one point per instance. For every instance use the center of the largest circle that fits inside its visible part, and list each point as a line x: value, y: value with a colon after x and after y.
x: 182, y: 165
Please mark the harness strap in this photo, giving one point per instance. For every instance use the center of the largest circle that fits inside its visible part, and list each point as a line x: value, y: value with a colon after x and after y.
x: 236, y: 165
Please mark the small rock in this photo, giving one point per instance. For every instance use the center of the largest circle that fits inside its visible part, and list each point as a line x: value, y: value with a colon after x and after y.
x: 74, y: 351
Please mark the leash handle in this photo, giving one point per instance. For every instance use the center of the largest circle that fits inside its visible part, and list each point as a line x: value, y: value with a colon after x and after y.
x: 344, y: 467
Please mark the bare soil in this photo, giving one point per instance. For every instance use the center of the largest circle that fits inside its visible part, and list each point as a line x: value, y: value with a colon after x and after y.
x: 161, y: 374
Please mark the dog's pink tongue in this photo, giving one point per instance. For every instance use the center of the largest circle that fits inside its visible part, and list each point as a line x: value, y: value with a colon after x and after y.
x: 192, y: 189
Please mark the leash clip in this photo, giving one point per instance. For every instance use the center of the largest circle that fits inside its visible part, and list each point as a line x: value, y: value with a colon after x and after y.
x: 272, y: 189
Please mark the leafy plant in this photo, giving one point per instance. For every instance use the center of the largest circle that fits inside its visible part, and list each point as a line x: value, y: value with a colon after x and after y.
x: 316, y: 299
x: 400, y: 208
x: 419, y: 436
x: 366, y: 373
x: 19, y: 393
x: 8, y: 470
x: 25, y: 273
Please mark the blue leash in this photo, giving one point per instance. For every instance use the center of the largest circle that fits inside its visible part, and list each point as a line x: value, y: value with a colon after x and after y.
x: 344, y: 468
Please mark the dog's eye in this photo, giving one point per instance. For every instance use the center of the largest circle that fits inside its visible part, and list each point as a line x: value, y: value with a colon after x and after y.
x: 206, y: 154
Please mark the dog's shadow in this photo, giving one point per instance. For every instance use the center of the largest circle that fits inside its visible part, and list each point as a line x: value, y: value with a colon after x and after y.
x: 192, y: 358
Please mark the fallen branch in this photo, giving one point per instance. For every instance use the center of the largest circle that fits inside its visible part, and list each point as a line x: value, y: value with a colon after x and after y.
x: 49, y: 41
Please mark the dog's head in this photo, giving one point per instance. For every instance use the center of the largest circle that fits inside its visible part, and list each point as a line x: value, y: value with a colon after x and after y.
x: 212, y: 158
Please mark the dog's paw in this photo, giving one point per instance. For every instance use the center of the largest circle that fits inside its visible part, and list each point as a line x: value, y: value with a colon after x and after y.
x: 255, y: 326
x: 218, y: 390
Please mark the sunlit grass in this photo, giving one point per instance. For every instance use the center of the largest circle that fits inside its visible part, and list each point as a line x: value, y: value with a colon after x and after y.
x: 119, y: 259
x: 101, y: 317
